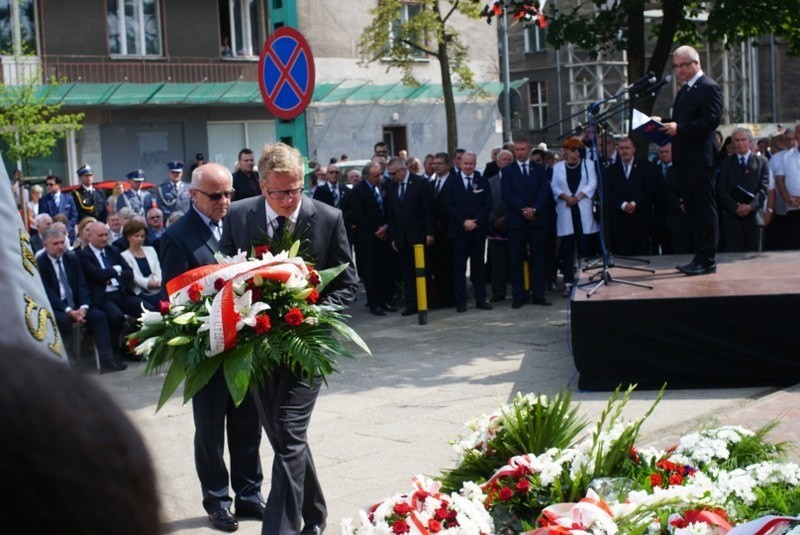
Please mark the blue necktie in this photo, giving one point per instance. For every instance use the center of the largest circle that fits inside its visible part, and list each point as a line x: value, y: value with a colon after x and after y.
x: 280, y: 223
x: 62, y: 275
x: 378, y: 197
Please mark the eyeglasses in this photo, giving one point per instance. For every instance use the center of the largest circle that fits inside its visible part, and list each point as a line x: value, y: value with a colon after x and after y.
x: 683, y: 64
x: 48, y: 184
x: 217, y: 196
x: 279, y: 195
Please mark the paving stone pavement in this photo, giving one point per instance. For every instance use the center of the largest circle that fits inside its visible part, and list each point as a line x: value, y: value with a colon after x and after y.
x: 385, y: 418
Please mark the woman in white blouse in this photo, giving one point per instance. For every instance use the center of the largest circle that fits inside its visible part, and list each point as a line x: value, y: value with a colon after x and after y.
x: 143, y: 260
x: 574, y: 183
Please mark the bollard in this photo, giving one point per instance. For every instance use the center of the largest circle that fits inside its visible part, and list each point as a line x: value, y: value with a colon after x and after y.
x: 526, y: 277
x: 422, y: 292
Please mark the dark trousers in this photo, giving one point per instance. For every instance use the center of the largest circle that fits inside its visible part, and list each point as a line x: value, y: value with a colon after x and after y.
x: 374, y: 262
x: 568, y: 245
x: 699, y: 197
x: 214, y: 412
x: 285, y: 404
x: 630, y: 241
x: 792, y: 230
x: 441, y: 255
x: 740, y: 236
x: 498, y: 263
x: 473, y: 247
x: 116, y: 305
x: 97, y: 324
x: 775, y: 238
x: 520, y: 241
x: 408, y: 274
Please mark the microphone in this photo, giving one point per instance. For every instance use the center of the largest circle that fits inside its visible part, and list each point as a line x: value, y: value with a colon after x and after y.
x: 649, y: 78
x: 667, y: 79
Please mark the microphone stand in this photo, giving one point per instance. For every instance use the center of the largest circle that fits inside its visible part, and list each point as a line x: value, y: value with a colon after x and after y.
x: 606, y: 261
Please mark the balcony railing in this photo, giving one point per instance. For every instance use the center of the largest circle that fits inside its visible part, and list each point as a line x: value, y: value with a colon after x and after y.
x: 99, y: 69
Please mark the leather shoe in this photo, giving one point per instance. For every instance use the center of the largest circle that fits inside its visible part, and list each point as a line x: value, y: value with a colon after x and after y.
x: 312, y: 529
x: 700, y: 269
x: 250, y: 510
x: 377, y: 311
x: 517, y: 303
x: 483, y: 305
x: 223, y: 520
x: 409, y: 311
x: 541, y: 301
x: 112, y: 366
x: 461, y: 308
x: 497, y: 298
x: 388, y: 308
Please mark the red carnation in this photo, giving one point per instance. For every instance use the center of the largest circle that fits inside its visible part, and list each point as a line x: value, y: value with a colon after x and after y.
x: 675, y: 479
x: 523, y: 485
x: 163, y: 307
x: 402, y: 509
x: 294, y: 317
x: 133, y: 342
x: 313, y: 278
x: 434, y: 526
x: 505, y: 494
x: 656, y: 480
x: 263, y: 325
x: 195, y: 291
x: 260, y: 250
x: 521, y: 471
x: 440, y: 513
x: 312, y: 297
x: 219, y: 283
x: 400, y: 527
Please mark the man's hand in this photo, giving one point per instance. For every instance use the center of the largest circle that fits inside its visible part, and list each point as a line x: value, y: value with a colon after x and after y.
x: 529, y: 213
x: 429, y: 239
x: 671, y: 129
x: 470, y: 225
x: 77, y: 316
x: 743, y: 210
x: 382, y: 232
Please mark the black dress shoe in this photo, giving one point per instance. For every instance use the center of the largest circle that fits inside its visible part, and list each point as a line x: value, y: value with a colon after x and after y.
x: 541, y: 301
x: 312, y: 529
x: 461, y: 308
x: 700, y: 269
x: 112, y: 366
x: 497, y: 298
x: 409, y: 311
x: 388, y: 308
x: 223, y: 520
x: 517, y: 303
x: 250, y: 510
x: 377, y: 311
x: 483, y: 305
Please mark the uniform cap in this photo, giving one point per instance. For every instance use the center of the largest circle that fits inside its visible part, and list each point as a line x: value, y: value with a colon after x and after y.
x: 136, y: 175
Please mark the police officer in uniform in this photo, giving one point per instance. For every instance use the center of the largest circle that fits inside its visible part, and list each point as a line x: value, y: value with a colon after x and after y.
x: 91, y: 202
x: 173, y: 194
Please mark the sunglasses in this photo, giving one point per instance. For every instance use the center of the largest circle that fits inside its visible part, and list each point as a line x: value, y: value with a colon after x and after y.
x: 217, y: 196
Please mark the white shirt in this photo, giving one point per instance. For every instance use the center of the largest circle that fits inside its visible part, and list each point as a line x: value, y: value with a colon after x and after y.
x: 272, y: 219
x: 113, y: 284
x: 789, y: 167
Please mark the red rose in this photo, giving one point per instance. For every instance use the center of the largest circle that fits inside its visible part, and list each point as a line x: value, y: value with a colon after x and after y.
x: 313, y: 278
x: 505, y: 494
x: 434, y: 526
x: 163, y: 307
x: 675, y: 479
x: 312, y: 297
x: 263, y: 325
x: 440, y: 513
x: 219, y: 283
x: 260, y: 250
x: 521, y: 471
x: 656, y: 480
x: 133, y: 342
x: 402, y: 509
x: 195, y: 291
x: 257, y: 295
x: 400, y: 527
x: 294, y: 317
x: 523, y: 485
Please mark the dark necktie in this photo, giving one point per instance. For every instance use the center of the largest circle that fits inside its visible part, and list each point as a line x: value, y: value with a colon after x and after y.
x: 468, y: 180
x: 62, y: 275
x: 103, y: 256
x: 438, y: 185
x: 377, y: 191
x: 525, y: 170
x: 402, y: 191
x: 280, y: 224
x: 742, y: 162
x: 336, y: 196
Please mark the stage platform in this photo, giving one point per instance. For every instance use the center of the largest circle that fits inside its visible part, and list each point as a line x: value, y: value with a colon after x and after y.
x: 737, y: 327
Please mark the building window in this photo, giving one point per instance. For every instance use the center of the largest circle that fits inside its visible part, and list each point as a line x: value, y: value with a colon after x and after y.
x: 17, y: 27
x: 535, y: 39
x: 242, y: 28
x: 407, y: 11
x: 537, y: 96
x: 134, y: 28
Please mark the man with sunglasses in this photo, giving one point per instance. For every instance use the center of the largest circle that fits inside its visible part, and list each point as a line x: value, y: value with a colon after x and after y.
x: 188, y: 243
x: 56, y: 202
x: 696, y: 115
x: 295, y: 503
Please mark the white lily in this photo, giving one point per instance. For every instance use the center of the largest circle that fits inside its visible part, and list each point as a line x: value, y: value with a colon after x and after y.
x: 205, y: 321
x: 145, y: 347
x: 241, y: 256
x: 151, y: 318
x: 248, y: 310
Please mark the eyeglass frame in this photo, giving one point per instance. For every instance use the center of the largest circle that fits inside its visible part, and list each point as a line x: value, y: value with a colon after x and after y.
x: 216, y: 197
x: 282, y: 194
x: 683, y: 64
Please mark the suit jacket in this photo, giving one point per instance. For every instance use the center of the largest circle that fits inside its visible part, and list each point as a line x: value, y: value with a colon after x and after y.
x: 321, y: 225
x: 98, y: 275
x: 66, y: 206
x: 671, y: 198
x: 754, y: 178
x: 139, y: 280
x: 245, y: 186
x: 77, y: 281
x: 639, y: 187
x: 188, y: 243
x: 364, y: 212
x: 324, y: 193
x: 697, y: 113
x: 462, y: 204
x: 90, y: 204
x: 519, y: 192
x: 411, y: 220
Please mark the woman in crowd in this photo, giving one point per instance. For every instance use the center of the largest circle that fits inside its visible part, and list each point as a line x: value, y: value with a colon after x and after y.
x: 143, y: 260
x: 574, y: 183
x: 82, y: 233
x: 33, y: 204
x: 111, y: 202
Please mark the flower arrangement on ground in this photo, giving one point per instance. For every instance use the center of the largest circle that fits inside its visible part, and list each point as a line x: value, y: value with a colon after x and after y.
x: 727, y: 480
x: 246, y: 315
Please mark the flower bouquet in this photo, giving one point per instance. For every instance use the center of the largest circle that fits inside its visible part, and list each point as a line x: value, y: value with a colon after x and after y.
x: 248, y: 316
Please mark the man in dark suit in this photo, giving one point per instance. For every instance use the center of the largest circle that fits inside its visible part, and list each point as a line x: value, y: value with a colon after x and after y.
x: 68, y: 294
x: 411, y: 221
x: 742, y: 193
x: 676, y: 237
x: 526, y: 192
x: 331, y: 192
x: 441, y: 252
x: 110, y: 281
x: 468, y: 201
x: 630, y: 187
x: 55, y: 202
x: 187, y: 244
x: 367, y: 215
x: 285, y: 399
x: 245, y: 179
x: 90, y: 201
x: 696, y: 114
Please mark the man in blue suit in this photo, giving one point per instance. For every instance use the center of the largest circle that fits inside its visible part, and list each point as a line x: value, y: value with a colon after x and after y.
x: 526, y: 193
x: 55, y: 202
x: 468, y: 201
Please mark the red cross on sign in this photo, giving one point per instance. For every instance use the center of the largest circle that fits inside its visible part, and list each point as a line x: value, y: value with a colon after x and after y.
x: 286, y: 73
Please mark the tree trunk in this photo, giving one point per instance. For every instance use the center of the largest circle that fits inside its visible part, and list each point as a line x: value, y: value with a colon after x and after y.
x: 449, y: 98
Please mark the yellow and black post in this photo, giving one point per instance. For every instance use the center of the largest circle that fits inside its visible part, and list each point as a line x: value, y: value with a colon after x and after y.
x: 526, y: 277
x: 422, y: 291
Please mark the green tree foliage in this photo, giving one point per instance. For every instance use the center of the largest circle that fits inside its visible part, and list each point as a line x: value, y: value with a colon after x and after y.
x: 29, y: 125
x: 428, y: 32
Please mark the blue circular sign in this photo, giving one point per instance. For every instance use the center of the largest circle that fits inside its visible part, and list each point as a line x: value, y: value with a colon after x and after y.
x: 286, y: 73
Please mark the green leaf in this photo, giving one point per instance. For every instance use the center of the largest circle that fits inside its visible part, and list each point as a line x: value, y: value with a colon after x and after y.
x: 327, y: 275
x: 200, y: 376
x: 238, y: 366
x: 349, y: 333
x: 175, y: 376
x: 293, y: 250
